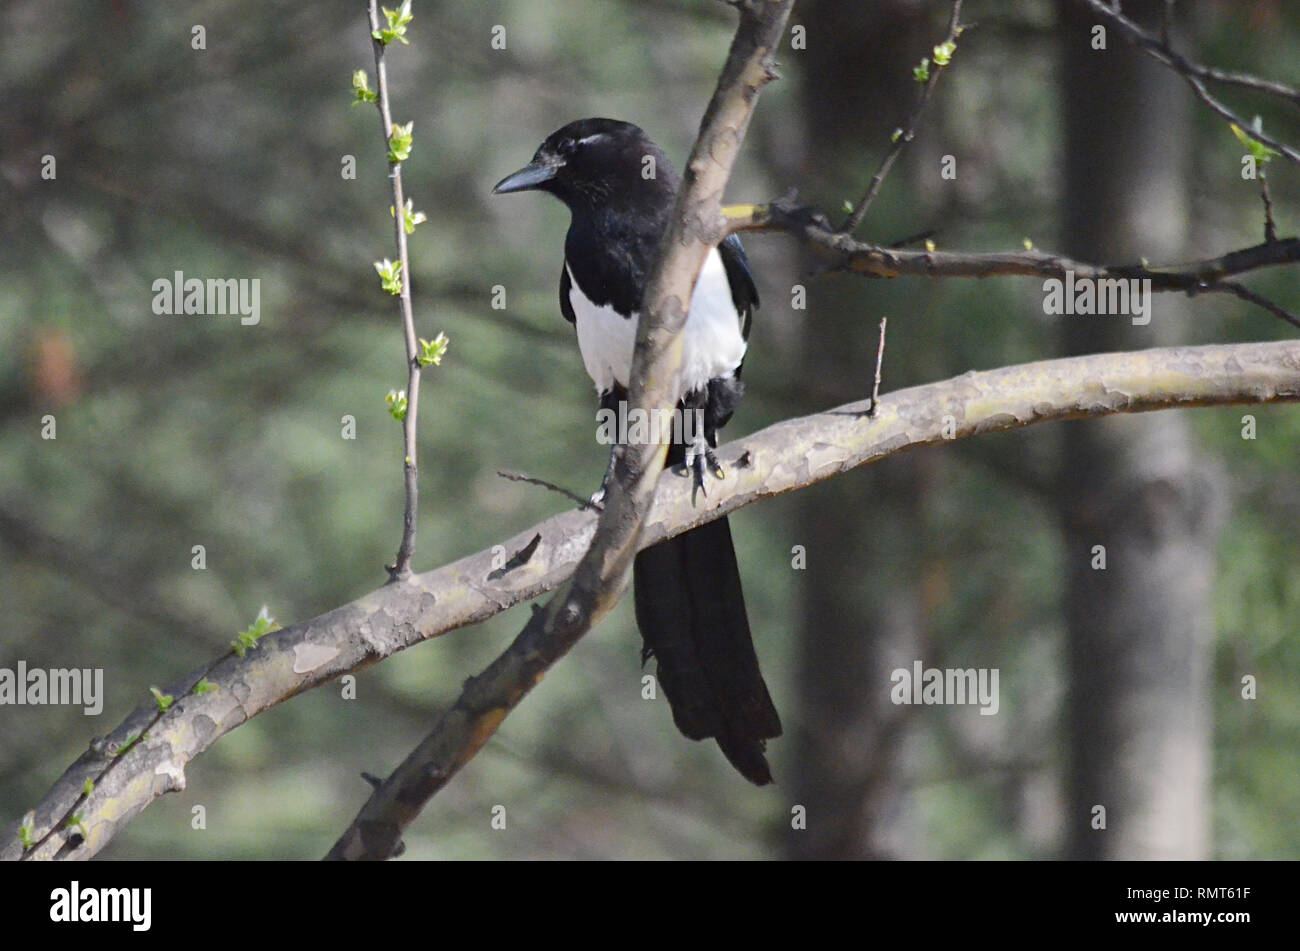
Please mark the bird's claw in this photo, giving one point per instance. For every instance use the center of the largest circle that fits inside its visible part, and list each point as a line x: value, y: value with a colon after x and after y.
x: 700, y: 458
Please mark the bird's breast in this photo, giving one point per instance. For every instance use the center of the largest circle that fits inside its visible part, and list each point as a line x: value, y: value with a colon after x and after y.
x: 712, y: 344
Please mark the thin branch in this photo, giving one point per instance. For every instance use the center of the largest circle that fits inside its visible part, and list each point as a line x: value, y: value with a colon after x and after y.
x: 1236, y: 289
x: 782, y: 458
x: 400, y: 570
x: 1244, y: 80
x: 880, y: 359
x: 1196, y: 75
x: 1270, y: 226
x: 908, y: 130
x: 601, y: 577
x: 1166, y: 23
x: 1162, y: 49
x: 1197, y: 277
x: 561, y: 490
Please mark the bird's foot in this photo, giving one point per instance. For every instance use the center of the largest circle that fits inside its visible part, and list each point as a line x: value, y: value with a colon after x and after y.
x: 699, y: 457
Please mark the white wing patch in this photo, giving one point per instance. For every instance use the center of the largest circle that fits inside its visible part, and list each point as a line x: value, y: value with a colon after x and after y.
x: 712, y: 346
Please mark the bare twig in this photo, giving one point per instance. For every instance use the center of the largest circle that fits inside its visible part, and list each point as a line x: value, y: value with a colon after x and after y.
x: 1236, y: 289
x: 1197, y: 75
x: 401, y: 567
x: 905, y: 134
x: 782, y: 458
x: 1270, y: 226
x: 572, y: 496
x: 880, y: 359
x: 1163, y: 50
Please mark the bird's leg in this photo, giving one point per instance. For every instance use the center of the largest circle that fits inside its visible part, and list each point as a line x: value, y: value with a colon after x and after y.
x: 698, y: 452
x: 609, y: 400
x: 699, y: 457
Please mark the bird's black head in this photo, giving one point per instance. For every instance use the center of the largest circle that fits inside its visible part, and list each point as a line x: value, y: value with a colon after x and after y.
x: 592, y: 162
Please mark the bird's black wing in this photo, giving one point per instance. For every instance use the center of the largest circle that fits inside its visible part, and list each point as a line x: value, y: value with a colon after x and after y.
x: 566, y: 306
x: 743, y: 292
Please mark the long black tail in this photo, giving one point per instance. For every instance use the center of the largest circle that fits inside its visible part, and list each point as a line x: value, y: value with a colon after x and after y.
x: 691, y: 611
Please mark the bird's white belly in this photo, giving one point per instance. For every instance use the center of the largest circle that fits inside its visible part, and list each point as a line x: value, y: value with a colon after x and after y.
x: 712, y: 345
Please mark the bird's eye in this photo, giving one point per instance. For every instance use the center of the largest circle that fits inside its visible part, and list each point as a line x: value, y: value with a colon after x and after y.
x: 567, y: 148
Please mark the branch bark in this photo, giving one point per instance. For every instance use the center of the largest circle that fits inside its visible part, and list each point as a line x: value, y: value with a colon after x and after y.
x: 785, y: 457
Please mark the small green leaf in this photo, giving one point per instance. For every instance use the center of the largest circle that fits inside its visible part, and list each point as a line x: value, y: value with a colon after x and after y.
x: 204, y: 686
x: 848, y: 207
x: 78, y: 825
x: 397, y: 20
x: 1261, y: 152
x: 361, y: 88
x: 943, y: 53
x: 88, y: 786
x: 131, y: 740
x: 390, y: 275
x: 431, y: 351
x: 922, y: 72
x: 164, y: 700
x: 399, y: 142
x: 27, y: 834
x: 898, y: 134
x: 264, y: 624
x: 410, y: 217
x: 396, y: 400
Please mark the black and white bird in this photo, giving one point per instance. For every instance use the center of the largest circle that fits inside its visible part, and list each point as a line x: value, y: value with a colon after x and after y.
x: 619, y: 188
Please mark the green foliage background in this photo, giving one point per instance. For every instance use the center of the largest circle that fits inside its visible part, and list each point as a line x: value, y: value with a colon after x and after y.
x: 179, y: 431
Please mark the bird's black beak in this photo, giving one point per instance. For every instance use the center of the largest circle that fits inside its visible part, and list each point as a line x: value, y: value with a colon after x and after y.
x: 532, y: 175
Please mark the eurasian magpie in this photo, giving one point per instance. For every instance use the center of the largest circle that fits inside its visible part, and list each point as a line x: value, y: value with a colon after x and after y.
x: 619, y: 188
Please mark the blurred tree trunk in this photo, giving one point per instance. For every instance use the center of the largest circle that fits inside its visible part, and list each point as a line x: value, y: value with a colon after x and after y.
x: 1138, y: 631
x: 861, y: 612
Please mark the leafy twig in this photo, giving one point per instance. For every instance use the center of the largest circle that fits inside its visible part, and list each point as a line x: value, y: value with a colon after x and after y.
x: 928, y: 75
x: 398, y: 139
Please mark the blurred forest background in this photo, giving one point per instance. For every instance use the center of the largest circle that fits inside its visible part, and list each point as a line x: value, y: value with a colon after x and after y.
x: 1121, y: 687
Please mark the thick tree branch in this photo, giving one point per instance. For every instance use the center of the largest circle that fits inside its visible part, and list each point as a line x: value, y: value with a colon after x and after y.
x: 785, y: 457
